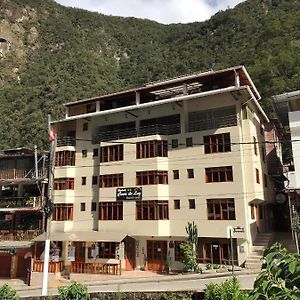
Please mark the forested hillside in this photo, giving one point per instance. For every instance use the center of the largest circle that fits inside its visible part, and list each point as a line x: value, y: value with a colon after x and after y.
x: 50, y: 54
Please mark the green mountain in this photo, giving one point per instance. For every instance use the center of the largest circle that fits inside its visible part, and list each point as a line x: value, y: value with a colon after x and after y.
x: 50, y: 54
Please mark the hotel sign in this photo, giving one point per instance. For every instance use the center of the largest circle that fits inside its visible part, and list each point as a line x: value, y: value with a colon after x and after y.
x: 132, y: 193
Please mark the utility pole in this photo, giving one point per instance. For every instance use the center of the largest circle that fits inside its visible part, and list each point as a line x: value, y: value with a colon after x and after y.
x: 52, y: 139
x: 36, y: 171
x: 232, y: 253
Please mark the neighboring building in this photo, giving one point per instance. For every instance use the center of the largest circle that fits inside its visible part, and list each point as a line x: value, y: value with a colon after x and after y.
x: 21, y: 215
x: 133, y: 168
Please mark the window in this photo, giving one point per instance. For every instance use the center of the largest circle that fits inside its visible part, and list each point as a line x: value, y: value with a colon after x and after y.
x: 93, y: 206
x: 219, y: 174
x: 220, y: 209
x: 111, y: 180
x: 83, y: 180
x: 217, y: 143
x: 85, y: 126
x: 64, y: 184
x: 84, y: 153
x: 110, y: 211
x: 95, y: 152
x: 192, y: 204
x: 107, y: 249
x: 177, y: 204
x: 82, y: 206
x: 150, y: 149
x: 152, y: 210
x: 62, y: 212
x: 263, y: 153
x: 65, y: 158
x: 252, y: 211
x: 111, y: 153
x: 255, y: 145
x: 257, y: 176
x: 178, y: 251
x: 265, y: 180
x: 174, y: 143
x: 190, y: 173
x: 175, y: 174
x: 189, y: 142
x: 94, y: 180
x: 151, y: 177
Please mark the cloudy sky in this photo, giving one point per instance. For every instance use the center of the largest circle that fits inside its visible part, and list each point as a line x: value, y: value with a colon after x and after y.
x: 163, y: 11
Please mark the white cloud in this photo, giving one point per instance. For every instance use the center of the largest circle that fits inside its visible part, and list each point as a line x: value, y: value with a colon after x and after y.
x: 163, y: 11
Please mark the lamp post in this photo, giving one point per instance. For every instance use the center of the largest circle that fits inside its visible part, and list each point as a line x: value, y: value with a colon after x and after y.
x: 230, y: 237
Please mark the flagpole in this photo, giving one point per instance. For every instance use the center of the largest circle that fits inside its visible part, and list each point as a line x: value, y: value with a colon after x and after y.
x: 52, y: 139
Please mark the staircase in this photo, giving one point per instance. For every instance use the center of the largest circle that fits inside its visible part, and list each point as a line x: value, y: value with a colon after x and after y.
x: 262, y: 242
x: 286, y: 240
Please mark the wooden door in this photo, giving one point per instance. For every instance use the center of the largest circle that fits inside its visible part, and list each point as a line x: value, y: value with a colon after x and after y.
x: 129, y: 253
x: 5, y: 263
x: 22, y: 266
x: 156, y: 255
x: 79, y: 251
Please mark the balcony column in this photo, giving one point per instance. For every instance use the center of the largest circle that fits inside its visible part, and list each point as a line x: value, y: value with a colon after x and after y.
x: 67, y: 112
x: 137, y: 98
x: 13, y: 266
x: 184, y: 118
x: 98, y: 105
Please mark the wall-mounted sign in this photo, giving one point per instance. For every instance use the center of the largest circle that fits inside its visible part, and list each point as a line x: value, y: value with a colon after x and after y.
x: 132, y: 193
x: 238, y: 229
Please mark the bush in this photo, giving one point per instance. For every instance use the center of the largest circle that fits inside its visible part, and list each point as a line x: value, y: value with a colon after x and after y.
x: 228, y: 290
x: 7, y: 293
x: 189, y: 257
x: 75, y: 291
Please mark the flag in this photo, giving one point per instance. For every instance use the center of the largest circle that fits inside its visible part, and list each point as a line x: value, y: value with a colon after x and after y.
x: 51, y: 135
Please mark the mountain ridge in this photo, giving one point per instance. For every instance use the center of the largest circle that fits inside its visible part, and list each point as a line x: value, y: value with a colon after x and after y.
x: 59, y: 54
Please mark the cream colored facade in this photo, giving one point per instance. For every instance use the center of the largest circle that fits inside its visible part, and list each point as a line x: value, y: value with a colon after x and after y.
x: 244, y: 188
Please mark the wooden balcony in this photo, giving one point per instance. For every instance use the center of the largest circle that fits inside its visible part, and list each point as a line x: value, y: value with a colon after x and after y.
x: 54, y: 267
x: 10, y: 174
x: 96, y: 268
x: 20, y: 202
x: 19, y: 235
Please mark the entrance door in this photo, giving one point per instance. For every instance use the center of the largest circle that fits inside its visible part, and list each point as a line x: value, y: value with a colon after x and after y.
x: 23, y: 266
x: 156, y: 255
x: 215, y: 252
x: 129, y: 253
x: 79, y: 251
x: 5, y: 263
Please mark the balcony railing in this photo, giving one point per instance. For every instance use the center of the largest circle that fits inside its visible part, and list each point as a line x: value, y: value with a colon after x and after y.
x: 21, y: 174
x: 66, y: 141
x: 54, y: 267
x: 19, y: 202
x: 19, y: 235
x: 133, y: 132
x: 96, y: 268
x: 205, y: 124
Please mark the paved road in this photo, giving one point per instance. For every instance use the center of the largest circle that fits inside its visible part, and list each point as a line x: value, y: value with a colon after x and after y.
x: 159, y: 285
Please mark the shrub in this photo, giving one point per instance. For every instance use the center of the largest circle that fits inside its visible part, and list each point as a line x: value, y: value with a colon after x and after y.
x: 75, y: 291
x: 189, y: 257
x: 212, y: 292
x: 7, y: 293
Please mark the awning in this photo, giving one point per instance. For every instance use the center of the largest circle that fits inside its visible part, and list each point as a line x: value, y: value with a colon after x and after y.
x: 5, y: 245
x: 84, y: 236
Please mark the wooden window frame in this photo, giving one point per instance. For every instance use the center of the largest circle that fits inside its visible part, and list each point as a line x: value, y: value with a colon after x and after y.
x: 221, y: 209
x: 219, y: 174
x: 65, y: 158
x: 62, y: 212
x: 61, y: 184
x: 217, y: 143
x: 257, y: 176
x: 150, y: 149
x: 152, y: 210
x: 112, y: 153
x: 151, y: 177
x: 107, y: 249
x: 110, y: 211
x: 255, y: 145
x: 111, y: 180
